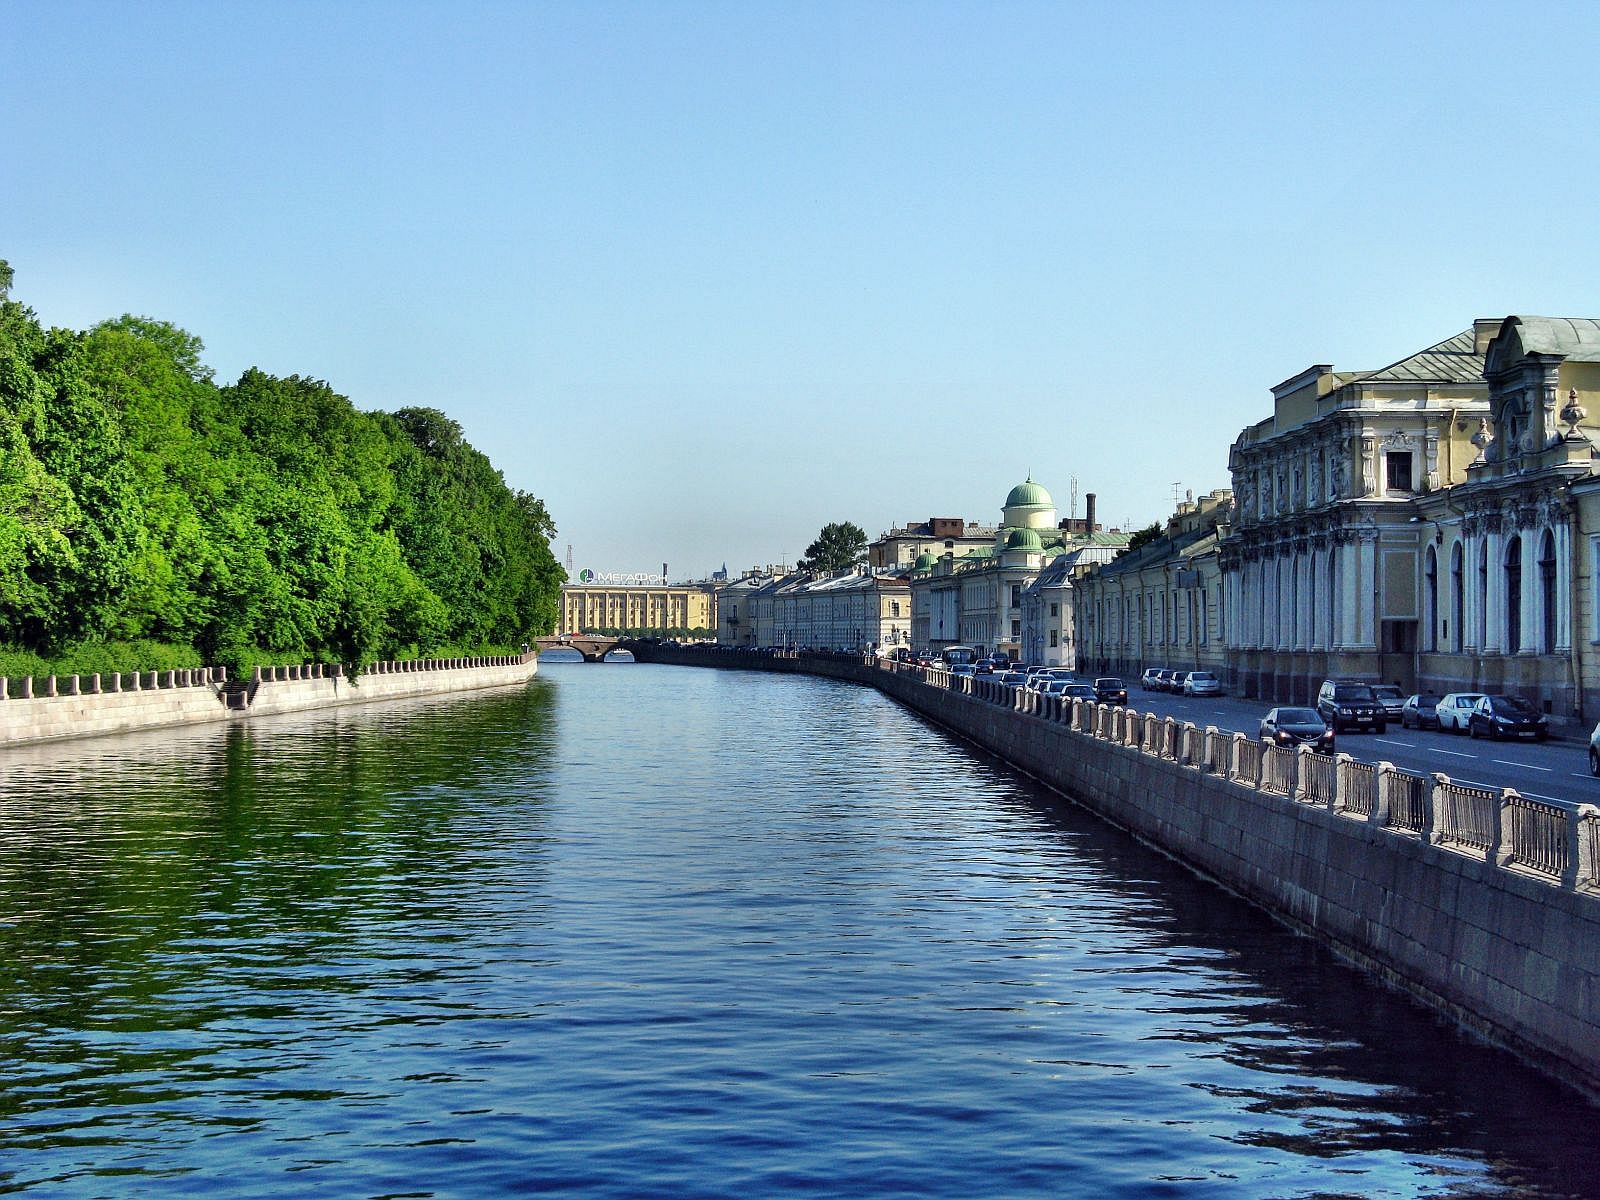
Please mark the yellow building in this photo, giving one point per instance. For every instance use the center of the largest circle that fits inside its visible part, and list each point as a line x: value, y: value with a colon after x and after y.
x: 635, y: 608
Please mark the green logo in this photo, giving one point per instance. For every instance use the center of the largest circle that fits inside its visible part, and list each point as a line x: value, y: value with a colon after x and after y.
x: 586, y: 576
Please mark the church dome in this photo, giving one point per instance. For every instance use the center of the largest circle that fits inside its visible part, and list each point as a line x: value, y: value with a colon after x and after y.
x: 1024, y: 539
x: 924, y: 562
x: 1029, y: 495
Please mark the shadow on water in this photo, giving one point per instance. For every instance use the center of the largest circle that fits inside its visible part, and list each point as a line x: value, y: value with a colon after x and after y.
x: 1326, y: 1029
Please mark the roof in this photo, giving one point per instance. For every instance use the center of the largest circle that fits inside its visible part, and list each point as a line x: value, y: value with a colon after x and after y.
x: 1023, y: 539
x: 1454, y: 360
x: 1573, y: 338
x: 1028, y: 494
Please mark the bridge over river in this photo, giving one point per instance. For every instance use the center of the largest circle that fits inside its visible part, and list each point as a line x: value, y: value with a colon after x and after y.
x: 593, y: 647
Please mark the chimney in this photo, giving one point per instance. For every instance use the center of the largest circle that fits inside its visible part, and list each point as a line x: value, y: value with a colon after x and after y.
x: 1088, y: 513
x: 1484, y: 330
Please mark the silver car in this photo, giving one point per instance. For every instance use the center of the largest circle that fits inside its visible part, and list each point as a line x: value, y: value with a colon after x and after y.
x: 1202, y: 683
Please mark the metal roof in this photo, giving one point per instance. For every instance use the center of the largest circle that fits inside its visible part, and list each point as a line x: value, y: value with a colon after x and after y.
x: 1454, y: 360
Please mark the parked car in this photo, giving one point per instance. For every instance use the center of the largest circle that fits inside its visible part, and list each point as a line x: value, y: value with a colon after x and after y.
x: 1391, y: 697
x: 1506, y: 716
x: 1455, y: 707
x: 1109, y: 689
x: 1420, y: 711
x: 1202, y: 683
x: 1345, y: 704
x: 1594, y: 751
x: 1292, y: 726
x: 1150, y: 681
x: 1176, y: 680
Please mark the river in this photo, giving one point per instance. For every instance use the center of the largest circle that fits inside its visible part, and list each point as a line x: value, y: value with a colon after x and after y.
x: 640, y: 931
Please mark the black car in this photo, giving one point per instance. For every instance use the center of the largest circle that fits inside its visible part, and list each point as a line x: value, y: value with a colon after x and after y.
x: 1292, y: 726
x: 1421, y: 711
x: 1108, y: 689
x: 1349, y: 705
x: 1506, y: 716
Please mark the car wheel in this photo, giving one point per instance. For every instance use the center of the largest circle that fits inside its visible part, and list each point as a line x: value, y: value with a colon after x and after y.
x: 1472, y: 731
x: 1594, y: 761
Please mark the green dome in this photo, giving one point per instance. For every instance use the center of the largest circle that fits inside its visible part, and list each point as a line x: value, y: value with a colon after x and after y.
x: 924, y: 562
x: 1024, y: 539
x: 1029, y: 495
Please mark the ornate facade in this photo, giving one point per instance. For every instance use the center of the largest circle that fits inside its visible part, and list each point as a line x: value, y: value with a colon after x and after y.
x: 1319, y: 571
x: 1509, y: 556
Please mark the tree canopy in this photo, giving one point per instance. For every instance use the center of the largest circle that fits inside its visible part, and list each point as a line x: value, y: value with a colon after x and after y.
x: 1141, y: 537
x: 263, y: 518
x: 840, y: 546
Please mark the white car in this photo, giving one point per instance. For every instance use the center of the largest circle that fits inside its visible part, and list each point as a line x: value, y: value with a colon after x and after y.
x: 1455, y: 708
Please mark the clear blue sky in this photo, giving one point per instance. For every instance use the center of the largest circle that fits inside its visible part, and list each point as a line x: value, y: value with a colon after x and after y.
x: 707, y: 276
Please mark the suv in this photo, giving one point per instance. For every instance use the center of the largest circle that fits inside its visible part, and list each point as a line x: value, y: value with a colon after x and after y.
x: 1344, y: 704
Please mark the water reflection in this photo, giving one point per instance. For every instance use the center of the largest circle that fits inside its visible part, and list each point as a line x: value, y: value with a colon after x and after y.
x: 644, y: 931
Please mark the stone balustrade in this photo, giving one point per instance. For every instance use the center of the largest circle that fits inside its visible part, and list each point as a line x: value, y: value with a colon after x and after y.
x: 27, y: 687
x: 1559, y: 843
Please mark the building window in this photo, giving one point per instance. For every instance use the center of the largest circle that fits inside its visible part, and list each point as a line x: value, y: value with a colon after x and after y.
x: 1016, y: 594
x: 1399, y: 470
x: 1016, y: 629
x: 1052, y: 639
x: 894, y: 608
x: 1055, y: 610
x: 1513, y: 566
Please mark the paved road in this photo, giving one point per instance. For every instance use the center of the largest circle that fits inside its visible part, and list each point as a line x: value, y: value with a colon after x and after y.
x: 1549, y: 770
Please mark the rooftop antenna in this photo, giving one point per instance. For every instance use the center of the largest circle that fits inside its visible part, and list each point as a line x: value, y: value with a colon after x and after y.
x: 569, y: 560
x: 1177, y: 492
x: 1073, y: 512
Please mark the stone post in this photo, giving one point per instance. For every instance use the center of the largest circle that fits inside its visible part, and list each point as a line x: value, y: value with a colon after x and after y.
x: 1208, y: 747
x: 94, y: 684
x: 50, y: 687
x: 5, y: 687
x: 1380, y: 801
x: 27, y: 687
x: 116, y: 681
x: 1582, y: 836
x: 172, y: 679
x: 1502, y: 845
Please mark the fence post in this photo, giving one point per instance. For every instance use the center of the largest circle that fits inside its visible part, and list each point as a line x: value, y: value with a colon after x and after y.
x: 1502, y: 845
x: 1341, y: 775
x: 1380, y: 802
x: 27, y: 687
x: 1298, y: 786
x: 1208, y: 747
x: 1583, y: 853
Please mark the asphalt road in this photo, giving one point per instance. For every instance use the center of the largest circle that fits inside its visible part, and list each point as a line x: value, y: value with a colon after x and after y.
x: 1553, y: 770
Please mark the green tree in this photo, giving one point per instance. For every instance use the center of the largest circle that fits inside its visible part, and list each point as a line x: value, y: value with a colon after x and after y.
x: 840, y: 546
x: 1142, y: 536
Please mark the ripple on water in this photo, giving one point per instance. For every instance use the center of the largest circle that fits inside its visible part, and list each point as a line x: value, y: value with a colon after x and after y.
x: 638, y: 931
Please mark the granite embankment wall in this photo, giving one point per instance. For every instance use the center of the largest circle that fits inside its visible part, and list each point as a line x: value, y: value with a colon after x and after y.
x: 1486, y: 905
x: 72, y: 706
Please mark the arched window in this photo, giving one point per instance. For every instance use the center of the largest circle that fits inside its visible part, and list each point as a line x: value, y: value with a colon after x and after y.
x: 1430, y: 600
x: 1547, y: 594
x: 1513, y: 569
x: 1458, y: 602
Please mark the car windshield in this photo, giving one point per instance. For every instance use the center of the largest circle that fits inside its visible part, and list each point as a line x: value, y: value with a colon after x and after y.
x: 1388, y: 692
x: 1298, y: 716
x: 1197, y: 676
x: 1426, y: 701
x: 1353, y: 691
x: 1510, y: 706
x: 1108, y: 682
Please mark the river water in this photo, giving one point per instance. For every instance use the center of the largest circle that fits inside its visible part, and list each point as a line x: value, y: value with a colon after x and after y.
x: 652, y: 931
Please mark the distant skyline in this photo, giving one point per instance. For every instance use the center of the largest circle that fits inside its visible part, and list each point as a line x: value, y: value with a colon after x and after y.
x: 705, y: 277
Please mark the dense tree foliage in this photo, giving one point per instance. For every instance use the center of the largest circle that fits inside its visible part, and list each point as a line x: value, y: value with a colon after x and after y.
x: 265, y: 519
x: 1141, y: 537
x: 840, y: 546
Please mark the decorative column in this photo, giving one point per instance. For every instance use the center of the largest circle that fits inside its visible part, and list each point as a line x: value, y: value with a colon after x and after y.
x: 1494, y: 623
x: 1561, y: 531
x: 1532, y: 614
x: 1305, y: 608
